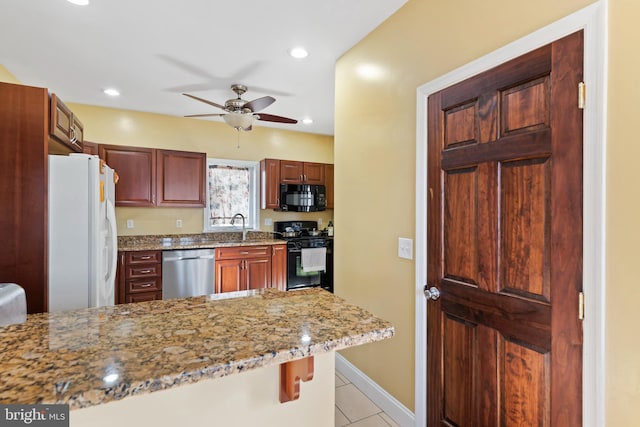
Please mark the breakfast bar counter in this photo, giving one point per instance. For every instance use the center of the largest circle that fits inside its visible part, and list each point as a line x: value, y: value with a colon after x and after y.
x: 90, y: 357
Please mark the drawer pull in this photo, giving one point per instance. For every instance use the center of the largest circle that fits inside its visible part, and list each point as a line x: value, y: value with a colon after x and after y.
x: 145, y: 271
x: 146, y: 257
x: 244, y: 253
x: 146, y: 285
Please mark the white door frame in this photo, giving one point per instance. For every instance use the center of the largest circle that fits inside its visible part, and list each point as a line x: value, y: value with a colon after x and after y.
x: 593, y: 20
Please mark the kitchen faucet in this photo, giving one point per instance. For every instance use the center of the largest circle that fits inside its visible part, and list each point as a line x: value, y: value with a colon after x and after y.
x: 244, y: 230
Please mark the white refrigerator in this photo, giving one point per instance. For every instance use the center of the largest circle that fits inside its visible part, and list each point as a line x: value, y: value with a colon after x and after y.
x: 82, y: 233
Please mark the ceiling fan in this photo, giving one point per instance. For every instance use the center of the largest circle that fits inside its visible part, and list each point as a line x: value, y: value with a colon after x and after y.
x: 241, y: 114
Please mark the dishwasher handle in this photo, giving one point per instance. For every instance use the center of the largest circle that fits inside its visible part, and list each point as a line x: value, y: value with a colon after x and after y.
x: 181, y: 258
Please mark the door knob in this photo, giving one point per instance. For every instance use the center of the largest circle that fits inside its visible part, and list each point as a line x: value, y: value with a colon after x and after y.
x: 431, y: 293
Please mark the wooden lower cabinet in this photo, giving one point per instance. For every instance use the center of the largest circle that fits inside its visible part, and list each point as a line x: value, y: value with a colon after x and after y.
x: 139, y: 276
x: 279, y: 267
x: 241, y: 268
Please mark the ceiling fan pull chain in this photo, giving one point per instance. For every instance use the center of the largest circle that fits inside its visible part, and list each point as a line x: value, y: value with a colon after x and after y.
x: 238, y: 132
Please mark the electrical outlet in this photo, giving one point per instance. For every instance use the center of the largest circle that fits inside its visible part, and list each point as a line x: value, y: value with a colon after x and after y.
x: 319, y: 222
x: 405, y: 248
x: 268, y: 221
x: 130, y: 223
x: 178, y: 223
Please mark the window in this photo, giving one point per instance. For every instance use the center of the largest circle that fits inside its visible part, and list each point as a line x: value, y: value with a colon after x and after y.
x: 232, y: 187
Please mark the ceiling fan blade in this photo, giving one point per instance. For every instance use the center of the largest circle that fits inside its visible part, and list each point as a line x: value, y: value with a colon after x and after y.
x: 259, y: 103
x: 205, y: 115
x: 273, y: 118
x: 206, y: 101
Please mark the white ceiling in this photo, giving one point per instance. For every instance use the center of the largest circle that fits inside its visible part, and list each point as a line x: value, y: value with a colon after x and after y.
x: 152, y: 50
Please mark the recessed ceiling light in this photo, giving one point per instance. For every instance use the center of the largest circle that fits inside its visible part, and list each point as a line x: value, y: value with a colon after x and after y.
x: 307, y: 121
x: 79, y: 2
x: 111, y: 92
x: 298, y: 52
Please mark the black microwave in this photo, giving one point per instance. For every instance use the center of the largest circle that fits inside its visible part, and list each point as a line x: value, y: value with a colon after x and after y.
x: 302, y: 197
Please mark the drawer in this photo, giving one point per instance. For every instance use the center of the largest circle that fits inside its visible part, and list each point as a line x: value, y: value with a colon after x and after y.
x: 144, y: 285
x: 143, y: 271
x: 145, y: 296
x: 143, y: 257
x: 236, y: 252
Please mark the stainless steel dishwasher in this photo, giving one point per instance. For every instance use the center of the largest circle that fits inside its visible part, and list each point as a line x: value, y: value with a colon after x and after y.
x: 187, y: 273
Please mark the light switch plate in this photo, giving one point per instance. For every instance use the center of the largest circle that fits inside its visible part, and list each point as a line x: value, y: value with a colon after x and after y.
x: 405, y: 248
x: 178, y: 223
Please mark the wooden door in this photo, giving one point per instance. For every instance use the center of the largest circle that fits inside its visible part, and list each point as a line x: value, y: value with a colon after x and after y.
x: 313, y: 173
x: 181, y: 179
x: 136, y: 168
x: 291, y: 172
x: 279, y: 267
x: 270, y: 183
x: 257, y: 273
x: 504, y: 342
x: 229, y: 275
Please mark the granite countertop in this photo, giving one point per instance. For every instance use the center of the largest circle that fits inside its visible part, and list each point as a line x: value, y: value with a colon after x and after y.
x: 92, y: 356
x: 195, y: 241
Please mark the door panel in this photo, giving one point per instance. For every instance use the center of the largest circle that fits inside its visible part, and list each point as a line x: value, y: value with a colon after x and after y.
x: 504, y: 342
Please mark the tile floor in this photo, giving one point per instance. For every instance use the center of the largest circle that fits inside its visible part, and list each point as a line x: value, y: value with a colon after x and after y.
x: 355, y: 409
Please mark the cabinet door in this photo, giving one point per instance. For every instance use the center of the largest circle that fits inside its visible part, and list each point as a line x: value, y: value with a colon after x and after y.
x: 257, y: 273
x: 62, y: 126
x: 270, y: 184
x: 229, y: 275
x: 291, y: 172
x: 181, y: 178
x: 90, y: 148
x: 328, y: 183
x: 144, y: 296
x: 279, y: 267
x: 313, y: 173
x: 136, y: 168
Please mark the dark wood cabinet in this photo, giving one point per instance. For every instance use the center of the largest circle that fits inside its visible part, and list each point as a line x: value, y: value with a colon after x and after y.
x: 328, y: 184
x: 270, y: 183
x: 139, y: 276
x: 136, y: 168
x: 90, y: 148
x: 24, y: 146
x: 64, y: 126
x: 279, y: 267
x: 150, y: 177
x: 243, y: 267
x: 292, y: 172
x: 181, y: 178
x: 274, y: 172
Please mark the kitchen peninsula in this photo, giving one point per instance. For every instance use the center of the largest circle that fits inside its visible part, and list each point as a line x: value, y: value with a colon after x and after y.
x: 163, y: 362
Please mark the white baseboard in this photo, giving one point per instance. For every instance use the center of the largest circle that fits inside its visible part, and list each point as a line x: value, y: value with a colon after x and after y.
x: 383, y: 400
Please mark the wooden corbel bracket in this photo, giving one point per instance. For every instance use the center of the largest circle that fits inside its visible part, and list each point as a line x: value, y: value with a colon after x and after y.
x: 290, y: 375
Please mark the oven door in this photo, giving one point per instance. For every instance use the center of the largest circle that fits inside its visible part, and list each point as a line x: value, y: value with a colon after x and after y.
x: 299, y: 279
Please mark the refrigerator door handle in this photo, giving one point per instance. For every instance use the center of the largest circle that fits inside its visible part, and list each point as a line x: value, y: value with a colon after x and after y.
x: 113, y: 235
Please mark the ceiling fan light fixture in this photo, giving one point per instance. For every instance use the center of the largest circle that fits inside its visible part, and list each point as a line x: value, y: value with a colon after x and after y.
x: 298, y: 52
x: 239, y: 121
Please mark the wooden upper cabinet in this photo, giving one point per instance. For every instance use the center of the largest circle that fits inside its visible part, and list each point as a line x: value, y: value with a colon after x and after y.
x: 90, y: 148
x: 64, y: 126
x: 328, y: 183
x: 270, y: 184
x: 181, y: 178
x: 292, y: 172
x: 136, y: 168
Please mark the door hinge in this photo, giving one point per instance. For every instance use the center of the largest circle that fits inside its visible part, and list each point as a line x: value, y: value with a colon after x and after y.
x: 581, y: 306
x: 582, y: 95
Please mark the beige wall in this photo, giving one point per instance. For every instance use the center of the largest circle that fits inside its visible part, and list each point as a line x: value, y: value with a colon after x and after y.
x: 422, y: 41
